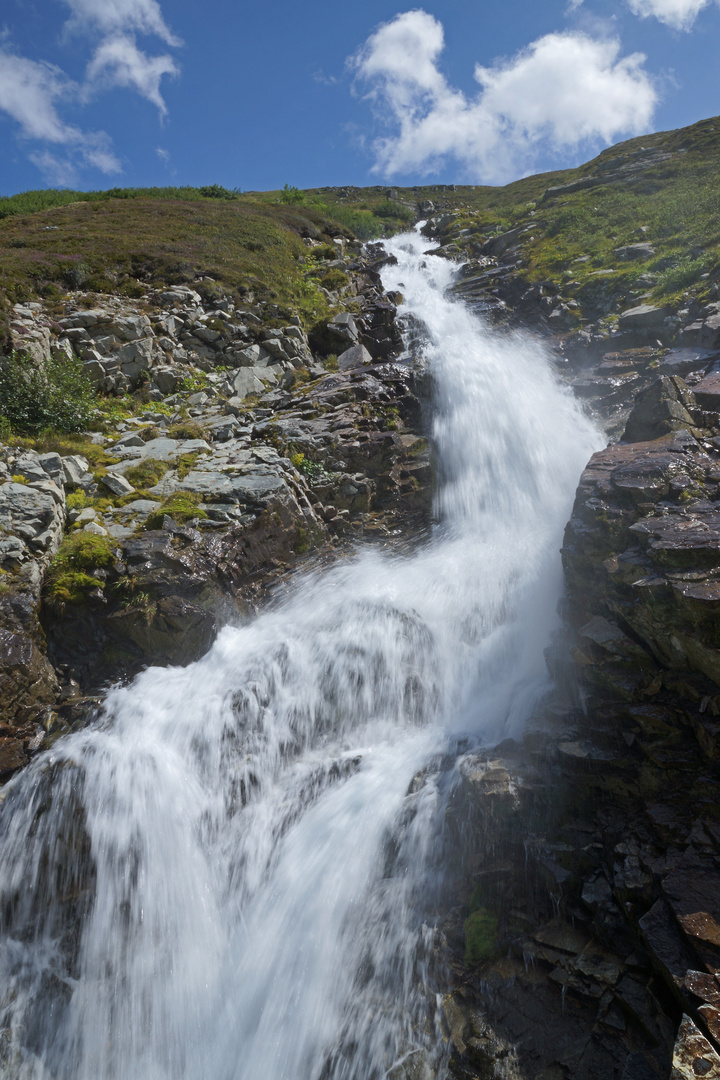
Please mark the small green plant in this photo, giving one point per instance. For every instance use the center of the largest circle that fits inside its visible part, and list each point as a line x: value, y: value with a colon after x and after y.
x: 680, y: 277
x: 56, y: 395
x: 182, y: 506
x: 194, y: 382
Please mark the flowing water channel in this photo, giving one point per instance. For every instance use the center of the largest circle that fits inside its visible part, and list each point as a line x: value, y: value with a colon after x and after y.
x: 232, y: 874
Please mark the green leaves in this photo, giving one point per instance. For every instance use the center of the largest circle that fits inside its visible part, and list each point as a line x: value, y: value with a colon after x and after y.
x: 55, y: 395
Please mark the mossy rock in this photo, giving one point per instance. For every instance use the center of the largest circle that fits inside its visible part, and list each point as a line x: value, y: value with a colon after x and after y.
x: 146, y: 473
x: 70, y: 576
x: 481, y: 936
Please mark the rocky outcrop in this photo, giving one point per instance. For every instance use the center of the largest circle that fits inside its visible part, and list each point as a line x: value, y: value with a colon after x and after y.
x: 249, y: 446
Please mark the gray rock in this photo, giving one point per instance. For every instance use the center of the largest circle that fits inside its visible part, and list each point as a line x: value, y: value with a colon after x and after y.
x: 251, y: 356
x: 166, y: 379
x: 197, y: 399
x: 118, y: 485
x: 131, y: 327
x: 354, y: 357
x: 634, y: 252
x: 75, y: 469
x: 131, y: 438
x: 136, y: 356
x: 642, y: 317
x: 344, y: 327
x: 246, y: 382
x: 94, y: 528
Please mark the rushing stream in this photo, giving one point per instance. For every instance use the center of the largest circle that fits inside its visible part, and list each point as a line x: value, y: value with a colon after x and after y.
x: 231, y: 875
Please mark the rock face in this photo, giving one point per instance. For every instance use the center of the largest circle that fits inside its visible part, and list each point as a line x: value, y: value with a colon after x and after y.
x: 205, y: 497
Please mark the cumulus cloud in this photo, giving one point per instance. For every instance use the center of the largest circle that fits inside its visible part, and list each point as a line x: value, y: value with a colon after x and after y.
x: 119, y: 62
x: 121, y: 16
x: 29, y: 90
x: 680, y: 14
x: 562, y: 90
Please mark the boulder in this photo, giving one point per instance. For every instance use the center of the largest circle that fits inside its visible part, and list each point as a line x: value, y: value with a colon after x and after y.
x: 634, y: 252
x: 118, y: 485
x: 660, y: 409
x: 355, y: 357
x: 642, y: 317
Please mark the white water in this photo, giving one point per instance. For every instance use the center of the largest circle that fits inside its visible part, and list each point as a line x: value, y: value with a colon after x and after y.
x: 226, y: 877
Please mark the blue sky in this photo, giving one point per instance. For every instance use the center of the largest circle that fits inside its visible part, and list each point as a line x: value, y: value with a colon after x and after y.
x: 98, y: 93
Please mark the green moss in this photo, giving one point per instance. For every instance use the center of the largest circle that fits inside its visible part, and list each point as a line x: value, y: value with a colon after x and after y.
x: 185, y: 464
x: 69, y: 578
x: 182, y: 506
x: 481, y: 937
x: 146, y: 473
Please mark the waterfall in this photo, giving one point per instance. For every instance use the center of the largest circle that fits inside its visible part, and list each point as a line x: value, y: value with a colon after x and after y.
x: 232, y: 873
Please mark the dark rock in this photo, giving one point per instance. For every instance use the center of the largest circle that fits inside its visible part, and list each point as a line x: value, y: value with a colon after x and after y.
x: 662, y: 408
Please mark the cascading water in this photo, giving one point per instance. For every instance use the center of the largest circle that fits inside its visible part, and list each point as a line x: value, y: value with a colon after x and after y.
x: 230, y: 875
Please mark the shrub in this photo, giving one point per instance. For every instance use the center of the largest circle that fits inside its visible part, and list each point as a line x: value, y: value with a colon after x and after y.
x: 55, y: 395
x: 334, y: 279
x: 290, y: 195
x: 323, y: 251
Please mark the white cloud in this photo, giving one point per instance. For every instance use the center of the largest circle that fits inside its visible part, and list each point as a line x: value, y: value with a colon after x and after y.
x: 562, y: 90
x: 121, y: 16
x: 29, y: 90
x: 32, y: 91
x: 680, y: 14
x: 119, y: 62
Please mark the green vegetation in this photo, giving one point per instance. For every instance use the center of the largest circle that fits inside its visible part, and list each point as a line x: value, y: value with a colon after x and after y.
x: 70, y: 576
x: 181, y: 507
x: 481, y: 937
x: 55, y: 396
x: 186, y: 429
x: 146, y: 473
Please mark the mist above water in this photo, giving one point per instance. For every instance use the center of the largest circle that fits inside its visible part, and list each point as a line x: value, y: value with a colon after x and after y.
x: 231, y: 874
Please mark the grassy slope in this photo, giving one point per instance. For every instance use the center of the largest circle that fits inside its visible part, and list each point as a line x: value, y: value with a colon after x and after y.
x: 121, y: 240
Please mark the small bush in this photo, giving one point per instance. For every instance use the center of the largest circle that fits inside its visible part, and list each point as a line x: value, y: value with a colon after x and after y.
x: 323, y: 251
x: 334, y: 279
x: 57, y: 395
x: 291, y: 195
